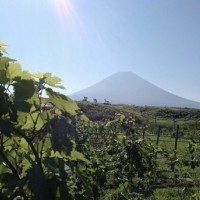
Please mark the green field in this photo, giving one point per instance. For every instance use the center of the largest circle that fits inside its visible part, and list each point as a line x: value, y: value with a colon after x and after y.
x: 167, y: 118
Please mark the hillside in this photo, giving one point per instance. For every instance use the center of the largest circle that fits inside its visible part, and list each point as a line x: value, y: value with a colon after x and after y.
x: 128, y: 88
x: 153, y: 116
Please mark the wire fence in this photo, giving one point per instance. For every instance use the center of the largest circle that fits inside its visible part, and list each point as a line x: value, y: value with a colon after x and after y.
x: 175, y: 143
x: 158, y: 137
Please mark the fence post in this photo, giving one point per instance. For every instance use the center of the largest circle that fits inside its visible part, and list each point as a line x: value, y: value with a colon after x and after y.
x: 174, y: 123
x: 158, y: 137
x: 196, y: 125
x: 143, y: 133
x: 176, y: 139
x: 155, y: 120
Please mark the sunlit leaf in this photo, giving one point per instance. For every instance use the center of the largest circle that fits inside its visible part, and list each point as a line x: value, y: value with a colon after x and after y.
x: 3, y: 168
x: 75, y: 155
x: 84, y: 118
x: 25, y: 166
x: 26, y: 75
x: 52, y: 81
x: 38, y: 75
x: 2, y: 43
x: 3, y: 47
x: 33, y: 120
x: 23, y: 144
x: 62, y: 102
x: 189, y: 180
x: 122, y: 117
x: 55, y: 154
x: 45, y: 116
x: 47, y: 74
x: 4, y: 61
x: 14, y: 70
x: 3, y: 77
x: 21, y: 118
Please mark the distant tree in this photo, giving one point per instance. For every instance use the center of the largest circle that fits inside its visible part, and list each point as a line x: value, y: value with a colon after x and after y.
x: 106, y: 102
x: 85, y: 98
x: 95, y: 100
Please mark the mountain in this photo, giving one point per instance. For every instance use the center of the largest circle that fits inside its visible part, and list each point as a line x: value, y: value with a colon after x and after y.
x: 128, y: 88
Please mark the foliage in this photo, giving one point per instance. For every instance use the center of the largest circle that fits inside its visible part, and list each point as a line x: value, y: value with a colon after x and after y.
x: 50, y: 150
x: 31, y: 165
x: 123, y: 163
x: 97, y: 112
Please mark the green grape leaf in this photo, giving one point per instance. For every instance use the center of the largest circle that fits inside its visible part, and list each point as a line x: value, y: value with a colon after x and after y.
x: 52, y: 81
x: 55, y: 154
x: 71, y: 107
x: 188, y: 180
x: 2, y: 43
x: 21, y: 118
x: 34, y: 100
x: 3, y: 49
x: 26, y: 165
x: 26, y: 75
x: 84, y: 118
x: 46, y: 75
x: 14, y: 70
x: 23, y: 144
x: 38, y: 75
x: 32, y: 121
x: 45, y: 116
x: 75, y: 155
x: 4, y: 61
x: 22, y: 106
x: 23, y: 90
x: 3, y: 77
x: 3, y: 168
x: 122, y: 118
x: 62, y: 102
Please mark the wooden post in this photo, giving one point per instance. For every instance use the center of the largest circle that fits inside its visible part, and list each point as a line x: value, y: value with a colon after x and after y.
x: 155, y: 120
x: 143, y: 133
x: 158, y: 136
x: 174, y: 123
x: 176, y: 139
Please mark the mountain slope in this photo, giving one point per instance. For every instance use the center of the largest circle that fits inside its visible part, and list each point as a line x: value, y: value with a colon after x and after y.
x: 128, y: 88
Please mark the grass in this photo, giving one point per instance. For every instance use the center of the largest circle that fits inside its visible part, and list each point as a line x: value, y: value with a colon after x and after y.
x: 175, y: 194
x: 164, y: 116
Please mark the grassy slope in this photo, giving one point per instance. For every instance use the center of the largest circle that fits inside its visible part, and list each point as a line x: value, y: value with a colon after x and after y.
x: 163, y: 116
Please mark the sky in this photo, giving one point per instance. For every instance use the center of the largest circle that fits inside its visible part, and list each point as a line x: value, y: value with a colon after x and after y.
x: 85, y: 41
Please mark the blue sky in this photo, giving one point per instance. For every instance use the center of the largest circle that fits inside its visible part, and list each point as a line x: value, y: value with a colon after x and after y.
x: 84, y: 41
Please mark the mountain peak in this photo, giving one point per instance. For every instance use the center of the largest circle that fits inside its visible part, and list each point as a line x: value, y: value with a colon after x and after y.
x: 129, y: 88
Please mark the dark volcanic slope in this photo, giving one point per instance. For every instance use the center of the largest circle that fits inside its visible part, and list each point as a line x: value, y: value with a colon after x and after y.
x: 128, y: 88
